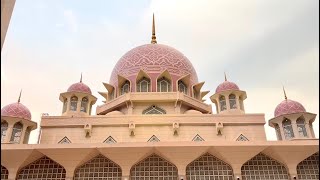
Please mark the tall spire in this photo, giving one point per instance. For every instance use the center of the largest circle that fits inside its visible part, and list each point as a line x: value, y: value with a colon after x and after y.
x: 153, y: 38
x: 284, y: 92
x: 225, y: 76
x: 19, y: 96
x: 81, y: 78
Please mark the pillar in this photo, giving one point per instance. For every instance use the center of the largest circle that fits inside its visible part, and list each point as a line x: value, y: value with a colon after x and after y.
x: 281, y: 131
x: 237, y: 102
x: 23, y: 133
x: 227, y: 101
x: 295, y: 129
x: 68, y: 104
x: 9, y: 132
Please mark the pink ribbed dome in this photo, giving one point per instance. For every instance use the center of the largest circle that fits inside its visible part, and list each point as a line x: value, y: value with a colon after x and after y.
x: 288, y: 107
x: 79, y: 87
x: 153, y: 59
x: 226, y: 85
x: 16, y: 110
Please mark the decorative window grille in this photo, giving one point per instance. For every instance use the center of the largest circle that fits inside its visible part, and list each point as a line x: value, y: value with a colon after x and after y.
x: 125, y: 88
x: 262, y: 167
x: 65, y: 103
x: 242, y: 138
x: 84, y: 104
x: 182, y: 87
x: 73, y: 103
x: 197, y: 138
x: 222, y: 101
x: 153, y: 139
x: 43, y: 168
x: 154, y: 110
x: 143, y: 85
x: 309, y: 168
x: 4, y: 128
x: 16, y: 133
x: 163, y: 85
x: 278, y: 132
x: 110, y: 140
x: 287, y: 129
x: 4, y: 173
x: 64, y: 140
x: 154, y: 167
x: 97, y: 168
x: 301, y: 127
x: 209, y: 167
x: 232, y: 101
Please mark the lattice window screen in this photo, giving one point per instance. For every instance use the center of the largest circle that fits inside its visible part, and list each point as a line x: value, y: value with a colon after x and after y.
x: 242, y: 138
x: 197, y: 138
x: 4, y: 173
x: 154, y: 139
x: 110, y: 140
x: 309, y: 168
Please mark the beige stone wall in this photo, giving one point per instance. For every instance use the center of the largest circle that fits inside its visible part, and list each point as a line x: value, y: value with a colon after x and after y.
x: 6, y: 12
x: 139, y: 107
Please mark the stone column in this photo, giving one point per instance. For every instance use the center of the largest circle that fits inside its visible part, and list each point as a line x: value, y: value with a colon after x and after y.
x: 9, y: 132
x: 182, y: 177
x: 68, y: 104
x: 79, y: 103
x: 125, y: 178
x: 227, y: 102
x: 218, y: 105
x: 12, y: 173
x: 295, y: 128
x: 281, y: 131
x: 237, y: 102
x: 23, y: 133
x: 88, y: 107
x: 306, y: 125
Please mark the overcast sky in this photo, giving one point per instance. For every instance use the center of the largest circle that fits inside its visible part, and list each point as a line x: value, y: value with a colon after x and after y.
x: 261, y: 45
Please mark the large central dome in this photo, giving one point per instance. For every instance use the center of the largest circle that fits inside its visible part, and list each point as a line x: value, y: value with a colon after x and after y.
x: 153, y: 59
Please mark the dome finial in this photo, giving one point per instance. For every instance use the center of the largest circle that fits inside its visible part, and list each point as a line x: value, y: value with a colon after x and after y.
x: 284, y: 92
x: 225, y: 76
x: 81, y: 78
x: 19, y: 96
x: 153, y: 38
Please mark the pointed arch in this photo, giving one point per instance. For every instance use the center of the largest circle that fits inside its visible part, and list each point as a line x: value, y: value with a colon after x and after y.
x: 154, y: 139
x: 124, y: 85
x: 242, y: 138
x: 143, y: 82
x: 4, y: 173
x: 302, y: 131
x: 164, y: 82
x: 197, y: 138
x: 222, y: 102
x: 209, y: 167
x: 84, y: 104
x: 154, y: 110
x: 309, y: 168
x: 183, y: 84
x: 64, y: 140
x: 43, y: 168
x: 264, y: 167
x: 232, y: 101
x: 99, y: 168
x: 73, y: 103
x: 110, y: 140
x: 154, y: 167
x: 16, y: 133
x: 287, y: 129
x: 4, y: 129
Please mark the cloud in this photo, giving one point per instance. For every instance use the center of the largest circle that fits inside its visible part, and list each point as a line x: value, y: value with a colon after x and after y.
x: 71, y: 20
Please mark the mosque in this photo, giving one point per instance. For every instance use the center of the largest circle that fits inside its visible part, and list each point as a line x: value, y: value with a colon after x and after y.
x: 154, y: 125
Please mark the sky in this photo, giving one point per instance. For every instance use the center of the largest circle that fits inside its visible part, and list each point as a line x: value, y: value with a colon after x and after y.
x: 261, y: 45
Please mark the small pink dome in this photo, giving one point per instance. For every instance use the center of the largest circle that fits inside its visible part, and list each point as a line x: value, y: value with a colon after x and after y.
x: 16, y: 110
x: 226, y: 85
x: 79, y: 87
x: 288, y: 107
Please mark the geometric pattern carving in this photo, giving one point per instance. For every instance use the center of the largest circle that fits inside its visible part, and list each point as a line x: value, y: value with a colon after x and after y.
x: 209, y: 167
x: 43, y: 168
x: 288, y: 107
x: 154, y: 167
x: 153, y: 139
x: 309, y: 168
x: 79, y: 87
x: 98, y: 168
x: 226, y: 85
x: 16, y: 110
x: 64, y: 140
x: 4, y: 172
x: 263, y: 167
x: 197, y: 138
x: 109, y: 140
x: 242, y: 138
x: 155, y: 59
x: 154, y: 110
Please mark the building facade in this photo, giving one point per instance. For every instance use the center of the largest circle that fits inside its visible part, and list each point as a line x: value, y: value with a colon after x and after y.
x: 154, y: 125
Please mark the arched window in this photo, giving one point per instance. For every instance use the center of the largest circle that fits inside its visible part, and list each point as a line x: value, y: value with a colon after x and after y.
x: 263, y: 167
x: 182, y: 87
x: 309, y: 168
x: 65, y: 103
x: 154, y: 110
x: 125, y: 88
x: 232, y: 101
x: 154, y: 167
x: 163, y: 85
x: 16, y: 133
x: 287, y: 129
x: 4, y: 173
x: 222, y: 102
x: 143, y: 85
x: 84, y: 104
x: 73, y: 103
x: 4, y: 128
x: 301, y: 127
x: 209, y: 167
x: 98, y: 168
x: 278, y: 132
x: 43, y: 168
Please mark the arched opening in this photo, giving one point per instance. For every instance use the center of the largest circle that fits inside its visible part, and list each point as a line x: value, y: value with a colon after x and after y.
x: 232, y: 101
x: 43, y: 168
x: 27, y: 135
x: 65, y: 103
x: 302, y: 131
x: 4, y: 128
x: 209, y: 167
x: 263, y: 167
x: 222, y: 102
x: 287, y: 129
x: 125, y: 88
x: 73, y: 103
x: 182, y: 87
x: 154, y: 167
x: 99, y: 167
x: 154, y: 110
x: 163, y: 85
x: 84, y: 104
x: 278, y: 132
x: 16, y: 133
x: 4, y: 173
x: 143, y: 85
x: 309, y: 168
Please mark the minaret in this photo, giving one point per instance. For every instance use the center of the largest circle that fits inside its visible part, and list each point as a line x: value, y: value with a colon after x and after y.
x: 153, y: 38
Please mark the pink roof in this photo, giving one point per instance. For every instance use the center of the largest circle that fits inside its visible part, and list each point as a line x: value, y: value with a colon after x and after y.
x: 153, y: 58
x: 16, y: 110
x: 226, y: 85
x: 288, y: 107
x: 79, y: 87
